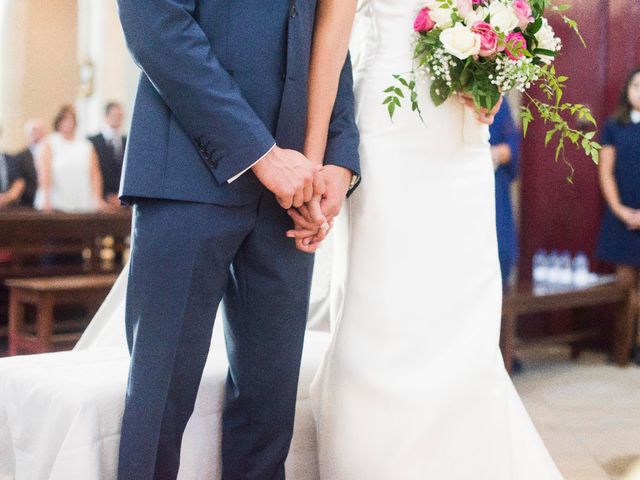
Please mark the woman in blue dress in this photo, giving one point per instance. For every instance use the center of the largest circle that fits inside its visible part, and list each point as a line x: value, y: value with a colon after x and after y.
x: 505, y: 148
x: 619, y: 241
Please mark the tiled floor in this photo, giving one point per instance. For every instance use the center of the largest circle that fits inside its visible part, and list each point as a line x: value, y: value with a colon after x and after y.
x: 588, y: 413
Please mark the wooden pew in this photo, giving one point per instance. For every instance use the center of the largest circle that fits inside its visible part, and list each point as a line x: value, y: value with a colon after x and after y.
x: 30, y: 237
x: 45, y: 294
x: 28, y: 234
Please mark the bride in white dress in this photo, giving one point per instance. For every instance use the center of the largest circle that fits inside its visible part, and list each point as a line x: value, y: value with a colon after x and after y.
x: 414, y: 386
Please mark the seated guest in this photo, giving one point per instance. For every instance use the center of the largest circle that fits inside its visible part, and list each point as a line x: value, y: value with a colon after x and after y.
x: 505, y: 146
x: 11, y: 182
x: 110, y: 145
x: 35, y: 132
x: 68, y: 170
x: 619, y: 241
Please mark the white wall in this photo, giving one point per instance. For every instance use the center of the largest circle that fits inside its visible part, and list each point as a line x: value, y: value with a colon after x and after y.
x: 101, y: 40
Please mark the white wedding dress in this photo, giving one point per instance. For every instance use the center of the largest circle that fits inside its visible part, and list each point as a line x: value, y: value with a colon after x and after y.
x: 413, y: 386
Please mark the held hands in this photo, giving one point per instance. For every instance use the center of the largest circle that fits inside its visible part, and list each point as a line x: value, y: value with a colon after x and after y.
x: 314, y: 220
x: 482, y: 114
x: 291, y: 177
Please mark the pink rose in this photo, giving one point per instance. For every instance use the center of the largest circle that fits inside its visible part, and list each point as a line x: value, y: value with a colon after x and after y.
x: 423, y: 22
x: 515, y: 44
x: 464, y: 7
x: 488, y: 38
x: 479, y: 2
x: 523, y: 12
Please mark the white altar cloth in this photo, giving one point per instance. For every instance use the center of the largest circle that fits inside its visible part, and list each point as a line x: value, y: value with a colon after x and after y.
x: 60, y: 415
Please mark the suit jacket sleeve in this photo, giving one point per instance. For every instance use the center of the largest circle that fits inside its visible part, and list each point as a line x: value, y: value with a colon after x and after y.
x: 175, y: 54
x: 344, y: 139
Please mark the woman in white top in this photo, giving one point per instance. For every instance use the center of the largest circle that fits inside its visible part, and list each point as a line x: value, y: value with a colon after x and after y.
x: 69, y: 174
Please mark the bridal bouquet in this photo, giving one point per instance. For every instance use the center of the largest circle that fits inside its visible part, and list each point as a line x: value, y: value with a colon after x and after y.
x: 484, y: 48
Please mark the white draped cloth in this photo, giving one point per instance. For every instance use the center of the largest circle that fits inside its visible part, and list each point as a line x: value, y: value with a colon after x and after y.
x: 60, y: 413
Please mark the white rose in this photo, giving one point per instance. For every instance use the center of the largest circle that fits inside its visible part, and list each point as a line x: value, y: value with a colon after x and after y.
x: 503, y: 17
x: 460, y: 41
x: 547, y: 40
x: 439, y: 14
x: 476, y: 16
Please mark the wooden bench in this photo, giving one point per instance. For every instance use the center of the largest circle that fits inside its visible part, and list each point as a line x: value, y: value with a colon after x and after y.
x: 45, y: 294
x: 29, y: 234
x: 528, y: 299
x: 28, y: 239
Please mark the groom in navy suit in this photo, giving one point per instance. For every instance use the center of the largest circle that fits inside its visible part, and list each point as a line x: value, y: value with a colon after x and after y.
x: 211, y: 165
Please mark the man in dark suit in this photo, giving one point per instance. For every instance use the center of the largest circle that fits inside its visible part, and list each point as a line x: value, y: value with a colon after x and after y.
x: 212, y: 164
x: 35, y: 132
x: 11, y: 182
x: 110, y: 145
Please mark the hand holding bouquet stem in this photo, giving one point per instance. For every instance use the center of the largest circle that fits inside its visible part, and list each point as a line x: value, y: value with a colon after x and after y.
x: 480, y: 49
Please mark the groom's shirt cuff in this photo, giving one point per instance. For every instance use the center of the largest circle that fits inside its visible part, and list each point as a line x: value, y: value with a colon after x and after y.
x: 234, y: 178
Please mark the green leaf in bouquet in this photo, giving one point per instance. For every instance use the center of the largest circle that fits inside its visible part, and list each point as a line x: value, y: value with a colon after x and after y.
x: 559, y: 148
x: 439, y: 92
x: 527, y: 117
x: 595, y: 152
x: 393, y: 100
x: 562, y: 8
x: 535, y: 26
x: 574, y: 26
x: 465, y: 78
x: 549, y: 136
x: 392, y: 109
x: 543, y: 51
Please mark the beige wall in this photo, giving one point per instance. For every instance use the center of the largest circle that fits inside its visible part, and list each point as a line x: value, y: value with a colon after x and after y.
x: 42, y: 42
x: 39, y: 63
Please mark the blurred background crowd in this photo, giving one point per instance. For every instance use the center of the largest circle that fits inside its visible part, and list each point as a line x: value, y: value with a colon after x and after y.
x: 60, y: 170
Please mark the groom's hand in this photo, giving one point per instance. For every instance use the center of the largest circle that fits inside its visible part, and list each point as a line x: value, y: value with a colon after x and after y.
x: 291, y: 177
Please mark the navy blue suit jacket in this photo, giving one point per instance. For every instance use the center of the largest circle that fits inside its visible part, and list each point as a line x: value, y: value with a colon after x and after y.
x: 221, y: 82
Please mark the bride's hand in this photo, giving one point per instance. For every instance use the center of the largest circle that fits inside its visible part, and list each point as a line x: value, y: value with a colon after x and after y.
x: 310, y: 226
x: 482, y: 114
x: 306, y: 241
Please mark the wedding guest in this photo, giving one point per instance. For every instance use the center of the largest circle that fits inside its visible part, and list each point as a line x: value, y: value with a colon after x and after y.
x: 619, y: 241
x: 505, y: 148
x: 68, y: 170
x: 11, y: 181
x: 110, y: 144
x: 35, y: 132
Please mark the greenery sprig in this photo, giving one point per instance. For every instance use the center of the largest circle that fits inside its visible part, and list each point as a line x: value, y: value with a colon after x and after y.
x: 521, y: 60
